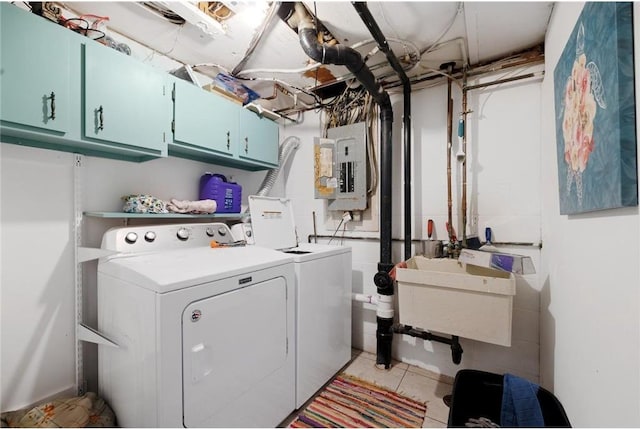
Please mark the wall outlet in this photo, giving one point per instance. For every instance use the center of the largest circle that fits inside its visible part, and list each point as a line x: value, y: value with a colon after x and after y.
x: 362, y: 220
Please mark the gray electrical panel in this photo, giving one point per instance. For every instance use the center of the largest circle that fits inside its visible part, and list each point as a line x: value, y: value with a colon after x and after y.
x: 341, y: 167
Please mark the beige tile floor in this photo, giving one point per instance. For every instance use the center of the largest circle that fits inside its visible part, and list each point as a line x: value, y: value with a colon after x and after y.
x: 408, y: 380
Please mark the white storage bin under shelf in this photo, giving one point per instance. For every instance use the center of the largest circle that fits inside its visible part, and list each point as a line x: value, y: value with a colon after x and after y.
x: 444, y: 295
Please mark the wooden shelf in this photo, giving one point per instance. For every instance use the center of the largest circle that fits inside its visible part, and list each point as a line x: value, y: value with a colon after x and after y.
x: 123, y: 215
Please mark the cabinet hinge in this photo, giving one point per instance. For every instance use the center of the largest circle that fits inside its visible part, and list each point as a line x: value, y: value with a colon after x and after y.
x: 173, y: 125
x: 173, y: 94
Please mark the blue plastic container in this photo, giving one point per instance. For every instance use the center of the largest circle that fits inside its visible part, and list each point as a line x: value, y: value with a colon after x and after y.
x: 228, y: 195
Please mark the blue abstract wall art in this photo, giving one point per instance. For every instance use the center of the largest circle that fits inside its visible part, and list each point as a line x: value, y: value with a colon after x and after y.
x: 595, y: 111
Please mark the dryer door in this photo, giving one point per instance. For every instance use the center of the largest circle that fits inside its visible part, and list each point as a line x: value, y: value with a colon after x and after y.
x: 236, y: 365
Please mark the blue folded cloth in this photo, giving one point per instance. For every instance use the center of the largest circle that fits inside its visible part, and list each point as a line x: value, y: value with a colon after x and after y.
x: 520, y: 406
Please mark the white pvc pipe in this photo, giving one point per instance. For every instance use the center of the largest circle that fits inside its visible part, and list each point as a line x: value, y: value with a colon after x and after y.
x: 384, y: 303
x: 385, y: 307
x: 360, y: 297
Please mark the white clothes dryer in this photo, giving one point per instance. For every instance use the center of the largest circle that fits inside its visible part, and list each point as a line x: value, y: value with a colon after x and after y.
x: 206, y: 335
x: 323, y: 294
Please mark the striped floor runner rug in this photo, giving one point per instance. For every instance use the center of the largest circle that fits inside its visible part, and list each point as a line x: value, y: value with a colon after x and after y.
x: 348, y: 402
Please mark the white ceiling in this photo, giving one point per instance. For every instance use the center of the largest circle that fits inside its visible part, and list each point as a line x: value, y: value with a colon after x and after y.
x: 476, y: 31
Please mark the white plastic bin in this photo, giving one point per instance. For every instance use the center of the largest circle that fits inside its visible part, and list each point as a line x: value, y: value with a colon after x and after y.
x: 447, y: 296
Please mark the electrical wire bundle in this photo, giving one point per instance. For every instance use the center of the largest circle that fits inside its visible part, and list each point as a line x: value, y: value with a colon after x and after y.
x: 352, y: 106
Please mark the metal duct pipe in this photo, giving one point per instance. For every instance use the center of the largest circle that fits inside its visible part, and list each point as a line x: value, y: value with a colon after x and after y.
x: 297, y: 17
x: 287, y: 147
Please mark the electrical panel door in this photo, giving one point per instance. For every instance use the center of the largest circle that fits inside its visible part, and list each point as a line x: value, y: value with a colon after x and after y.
x: 341, y: 168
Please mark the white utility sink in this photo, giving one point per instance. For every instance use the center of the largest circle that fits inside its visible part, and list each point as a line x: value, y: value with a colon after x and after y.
x: 447, y: 296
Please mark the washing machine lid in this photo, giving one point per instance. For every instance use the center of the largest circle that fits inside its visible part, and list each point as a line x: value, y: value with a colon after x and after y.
x: 312, y: 251
x: 272, y: 222
x: 177, y: 269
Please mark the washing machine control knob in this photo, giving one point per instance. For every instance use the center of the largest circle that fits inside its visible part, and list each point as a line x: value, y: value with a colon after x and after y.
x: 150, y: 236
x: 183, y: 234
x: 222, y: 231
x: 210, y: 232
x: 131, y: 237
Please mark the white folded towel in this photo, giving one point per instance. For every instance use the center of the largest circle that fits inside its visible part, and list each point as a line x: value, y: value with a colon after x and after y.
x: 194, y: 207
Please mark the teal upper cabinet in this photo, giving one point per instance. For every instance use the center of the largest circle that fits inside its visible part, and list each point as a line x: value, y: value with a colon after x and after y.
x: 43, y: 98
x: 205, y: 124
x: 34, y: 72
x: 126, y: 102
x: 210, y: 128
x: 60, y: 90
x: 258, y: 139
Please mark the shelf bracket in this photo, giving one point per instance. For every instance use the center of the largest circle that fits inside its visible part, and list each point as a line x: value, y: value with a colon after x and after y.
x: 90, y: 253
x: 90, y: 335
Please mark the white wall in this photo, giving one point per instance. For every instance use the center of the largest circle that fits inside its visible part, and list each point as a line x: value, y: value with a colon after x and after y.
x: 590, y: 314
x: 503, y: 191
x: 37, y: 294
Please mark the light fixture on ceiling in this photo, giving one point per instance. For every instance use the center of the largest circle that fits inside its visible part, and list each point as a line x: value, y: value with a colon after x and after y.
x: 196, y: 17
x: 252, y: 13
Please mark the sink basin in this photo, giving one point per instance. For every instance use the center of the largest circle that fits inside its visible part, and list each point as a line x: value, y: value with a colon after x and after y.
x: 447, y: 296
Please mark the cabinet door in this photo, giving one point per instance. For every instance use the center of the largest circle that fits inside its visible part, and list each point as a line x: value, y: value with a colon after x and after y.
x: 204, y: 120
x: 125, y: 102
x: 34, y: 73
x: 258, y: 138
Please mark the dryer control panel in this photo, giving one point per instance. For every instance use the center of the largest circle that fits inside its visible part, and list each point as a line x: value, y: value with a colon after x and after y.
x: 152, y: 238
x: 243, y: 232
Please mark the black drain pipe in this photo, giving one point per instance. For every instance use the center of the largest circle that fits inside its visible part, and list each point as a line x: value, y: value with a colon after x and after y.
x: 376, y: 33
x: 297, y: 17
x: 384, y: 347
x: 384, y: 332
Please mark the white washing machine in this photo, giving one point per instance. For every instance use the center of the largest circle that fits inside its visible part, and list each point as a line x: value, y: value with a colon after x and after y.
x: 323, y: 294
x: 206, y: 335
